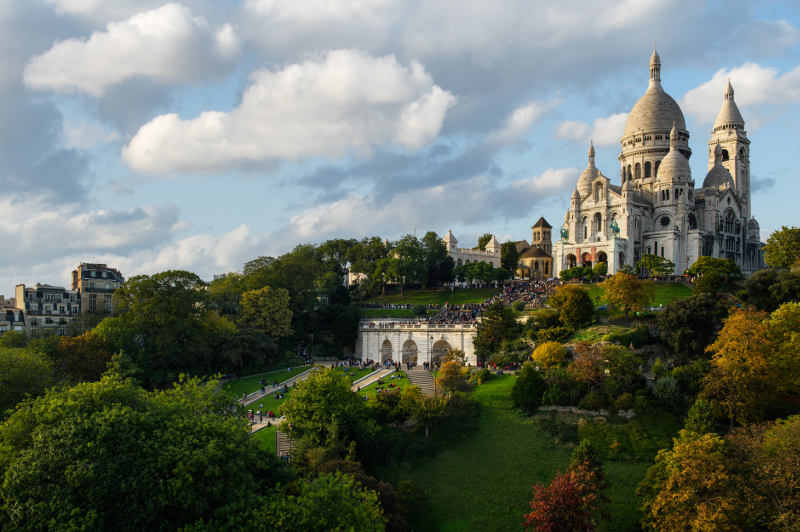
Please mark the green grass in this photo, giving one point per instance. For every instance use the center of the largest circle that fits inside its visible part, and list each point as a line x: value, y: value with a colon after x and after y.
x: 250, y: 383
x: 485, y: 481
x: 387, y: 313
x: 664, y: 293
x: 371, y: 390
x: 265, y: 438
x: 438, y: 297
x: 595, y: 333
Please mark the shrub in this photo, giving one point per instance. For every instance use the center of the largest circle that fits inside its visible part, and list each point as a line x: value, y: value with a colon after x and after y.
x: 420, y: 310
x: 480, y: 376
x: 700, y: 418
x: 593, y: 400
x: 529, y: 387
x: 549, y: 354
x: 553, y: 334
x: 562, y: 431
x: 639, y: 337
x: 667, y: 393
x: 518, y: 306
x: 624, y: 401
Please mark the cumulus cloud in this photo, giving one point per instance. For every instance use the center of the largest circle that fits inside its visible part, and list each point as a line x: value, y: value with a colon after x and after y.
x: 520, y: 121
x: 165, y: 45
x: 348, y: 101
x: 572, y: 130
x: 753, y: 85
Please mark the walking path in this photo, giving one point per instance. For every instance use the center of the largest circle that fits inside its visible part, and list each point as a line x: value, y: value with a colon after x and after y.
x: 372, y: 377
x: 423, y: 378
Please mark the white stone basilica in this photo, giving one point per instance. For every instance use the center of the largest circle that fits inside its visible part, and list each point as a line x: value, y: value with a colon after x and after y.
x: 657, y: 209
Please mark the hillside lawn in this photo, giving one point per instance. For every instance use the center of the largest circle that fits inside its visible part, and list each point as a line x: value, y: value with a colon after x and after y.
x: 484, y: 482
x: 265, y: 438
x: 459, y: 296
x: 664, y: 293
x: 371, y: 391
x: 250, y: 383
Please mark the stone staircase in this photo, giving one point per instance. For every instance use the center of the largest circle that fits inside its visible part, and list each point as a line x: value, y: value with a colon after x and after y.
x: 422, y: 378
x: 283, y: 443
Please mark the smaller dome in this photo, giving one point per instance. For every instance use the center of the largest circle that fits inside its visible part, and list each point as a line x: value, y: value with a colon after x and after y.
x: 717, y: 177
x: 575, y: 194
x: 674, y: 164
x: 584, y: 185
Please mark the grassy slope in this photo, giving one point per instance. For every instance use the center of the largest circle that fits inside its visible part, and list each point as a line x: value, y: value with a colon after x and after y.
x: 266, y: 439
x: 664, y: 293
x: 250, y: 383
x: 371, y: 390
x: 425, y: 297
x: 484, y: 482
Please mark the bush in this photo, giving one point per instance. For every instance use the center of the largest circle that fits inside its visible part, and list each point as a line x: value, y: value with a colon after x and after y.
x: 480, y: 376
x: 553, y: 334
x: 639, y: 337
x: 593, y: 400
x: 624, y: 401
x: 420, y: 310
x: 549, y: 354
x: 518, y: 306
x: 529, y: 387
x: 563, y: 432
x: 667, y: 393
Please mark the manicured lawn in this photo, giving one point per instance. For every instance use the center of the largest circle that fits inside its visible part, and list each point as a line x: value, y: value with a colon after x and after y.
x: 372, y: 392
x: 664, y: 293
x: 484, y: 481
x: 266, y: 439
x: 439, y: 297
x: 387, y: 313
x: 250, y: 383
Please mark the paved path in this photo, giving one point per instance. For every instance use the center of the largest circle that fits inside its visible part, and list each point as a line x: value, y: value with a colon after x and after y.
x: 372, y: 377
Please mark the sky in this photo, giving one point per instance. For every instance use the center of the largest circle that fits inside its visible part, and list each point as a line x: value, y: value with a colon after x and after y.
x: 202, y: 134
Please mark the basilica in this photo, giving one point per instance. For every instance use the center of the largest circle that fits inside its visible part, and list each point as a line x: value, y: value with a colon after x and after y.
x: 657, y: 208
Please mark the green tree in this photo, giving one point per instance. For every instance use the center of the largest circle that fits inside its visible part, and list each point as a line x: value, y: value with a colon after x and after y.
x: 82, y: 358
x: 509, y: 256
x: 497, y: 325
x: 574, y: 305
x: 655, y: 266
x: 627, y: 292
x: 483, y: 240
x: 438, y: 264
x: 333, y: 501
x: 324, y: 402
x: 410, y: 260
x: 23, y: 373
x: 768, y: 289
x: 600, y: 269
x: 714, y: 274
x: 782, y: 249
x: 225, y: 292
x: 529, y: 386
x: 13, y: 339
x: 108, y: 455
x: 426, y: 410
x: 783, y: 333
x: 267, y: 309
x: 452, y: 376
x: 688, y: 325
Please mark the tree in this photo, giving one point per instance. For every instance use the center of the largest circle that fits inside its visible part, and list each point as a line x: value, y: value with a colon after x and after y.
x: 323, y: 400
x: 588, y: 365
x: 690, y: 487
x: 438, y: 264
x: 82, y: 358
x: 410, y: 257
x: 767, y: 289
x: 267, y: 309
x: 688, y: 325
x: 549, y: 354
x: 225, y: 292
x: 714, y: 274
x: 483, y: 240
x: 741, y: 381
x: 627, y: 292
x: 782, y: 249
x: 498, y: 324
x: 655, y: 266
x: 108, y: 455
x: 452, y: 377
x: 425, y: 410
x: 573, y: 303
x: 509, y: 256
x: 13, y: 339
x: 600, y: 269
x: 621, y: 371
x: 332, y: 501
x: 784, y: 339
x: 23, y: 373
x: 528, y: 389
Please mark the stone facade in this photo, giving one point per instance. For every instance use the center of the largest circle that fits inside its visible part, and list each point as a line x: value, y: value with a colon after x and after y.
x: 47, y: 309
x: 657, y: 209
x: 414, y: 342
x: 95, y: 285
x: 536, y: 261
x: 462, y: 256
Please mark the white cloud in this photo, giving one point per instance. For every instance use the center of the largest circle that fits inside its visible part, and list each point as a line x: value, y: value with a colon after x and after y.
x: 753, y: 85
x: 608, y: 131
x: 348, y: 101
x: 85, y: 135
x: 520, y: 121
x: 102, y: 10
x: 165, y: 45
x: 572, y: 130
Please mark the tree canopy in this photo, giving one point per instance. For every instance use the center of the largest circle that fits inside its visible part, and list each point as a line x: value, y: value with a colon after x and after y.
x: 782, y: 249
x: 627, y: 292
x: 574, y: 305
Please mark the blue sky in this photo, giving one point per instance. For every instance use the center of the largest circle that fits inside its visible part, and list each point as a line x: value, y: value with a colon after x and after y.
x: 199, y: 135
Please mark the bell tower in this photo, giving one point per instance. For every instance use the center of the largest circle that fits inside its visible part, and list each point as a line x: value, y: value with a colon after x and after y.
x: 730, y: 134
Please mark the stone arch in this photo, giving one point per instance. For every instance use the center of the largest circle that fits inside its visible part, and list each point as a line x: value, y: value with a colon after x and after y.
x: 459, y: 262
x: 409, y: 352
x: 386, y: 350
x: 655, y: 168
x: 648, y: 169
x: 439, y: 351
x: 597, y: 225
x: 571, y: 261
x: 602, y: 257
x: 586, y: 259
x: 621, y: 259
x: 637, y: 172
x: 725, y: 155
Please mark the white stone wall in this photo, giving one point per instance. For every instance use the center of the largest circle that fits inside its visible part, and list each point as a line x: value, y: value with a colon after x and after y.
x: 385, y: 339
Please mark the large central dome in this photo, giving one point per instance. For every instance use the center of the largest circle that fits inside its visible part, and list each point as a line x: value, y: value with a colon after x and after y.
x: 655, y: 110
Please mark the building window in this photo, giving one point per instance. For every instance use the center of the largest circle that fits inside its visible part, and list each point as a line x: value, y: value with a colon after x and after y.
x: 92, y: 302
x: 647, y: 169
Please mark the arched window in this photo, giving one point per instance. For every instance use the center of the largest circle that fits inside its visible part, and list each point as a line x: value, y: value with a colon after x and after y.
x: 668, y: 194
x: 630, y: 173
x: 725, y: 155
x: 647, y: 169
x: 598, y: 223
x: 638, y: 171
x: 655, y: 170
